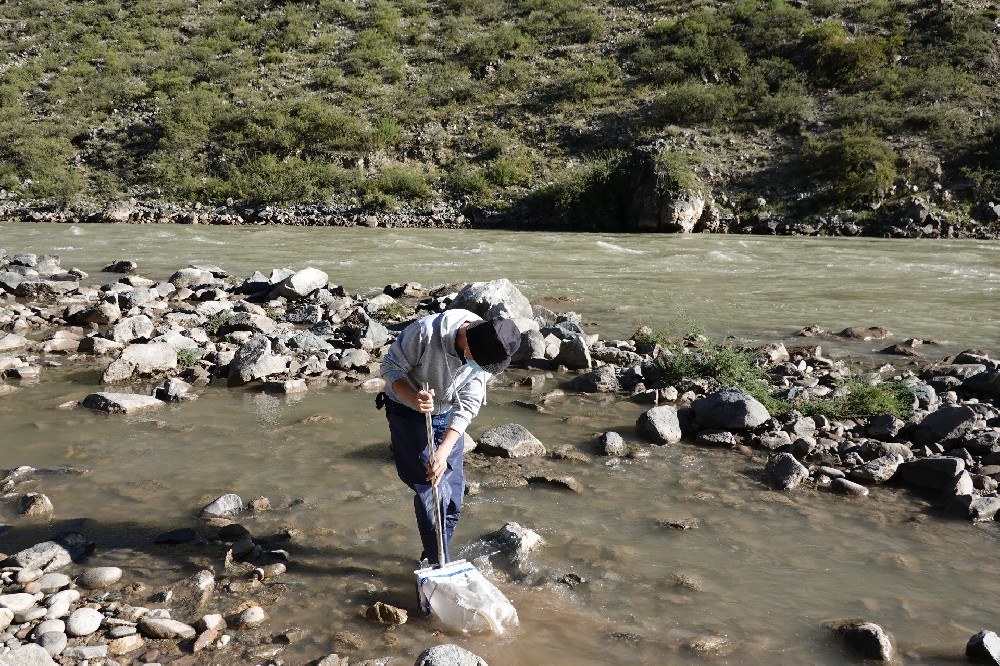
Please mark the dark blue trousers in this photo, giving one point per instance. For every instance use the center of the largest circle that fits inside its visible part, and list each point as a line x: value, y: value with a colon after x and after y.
x: 408, y: 433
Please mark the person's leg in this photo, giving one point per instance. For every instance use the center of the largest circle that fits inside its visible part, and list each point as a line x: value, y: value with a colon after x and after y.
x: 455, y: 480
x: 409, y: 452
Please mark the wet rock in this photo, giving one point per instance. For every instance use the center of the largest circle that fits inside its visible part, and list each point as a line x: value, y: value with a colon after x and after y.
x: 36, y: 505
x: 120, y: 403
x: 517, y: 540
x: 175, y: 537
x: 845, y: 487
x: 870, y: 333
x: 973, y: 507
x: 660, y: 424
x: 984, y: 648
x: 879, y: 470
x: 303, y: 283
x: 99, y: 346
x: 121, y: 266
x: 381, y: 613
x: 600, y: 380
x: 250, y: 618
x: 947, y: 423
x: 716, y: 438
x: 867, y: 639
x: 559, y: 480
x: 611, y: 444
x: 12, y: 342
x: 224, y: 506
x: 193, y: 279
x: 52, y: 555
x: 448, y: 655
x: 729, y: 409
x: 784, y: 472
x: 254, y: 360
x: 165, y: 628
x: 99, y: 577
x: 174, y: 390
x: 532, y: 347
x: 510, y: 440
x: 934, y: 472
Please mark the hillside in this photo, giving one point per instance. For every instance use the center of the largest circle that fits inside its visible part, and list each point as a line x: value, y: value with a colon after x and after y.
x: 526, y: 112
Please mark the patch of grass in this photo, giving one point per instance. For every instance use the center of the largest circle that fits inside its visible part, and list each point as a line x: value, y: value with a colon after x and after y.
x: 217, y: 321
x: 858, y: 397
x: 187, y: 357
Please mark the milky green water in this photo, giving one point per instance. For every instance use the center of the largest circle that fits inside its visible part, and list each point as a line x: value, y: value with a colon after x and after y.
x: 763, y: 569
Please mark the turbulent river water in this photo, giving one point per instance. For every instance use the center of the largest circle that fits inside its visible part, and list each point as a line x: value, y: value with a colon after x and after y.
x: 763, y: 570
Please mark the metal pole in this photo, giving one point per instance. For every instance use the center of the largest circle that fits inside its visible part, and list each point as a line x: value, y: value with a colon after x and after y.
x: 438, y: 517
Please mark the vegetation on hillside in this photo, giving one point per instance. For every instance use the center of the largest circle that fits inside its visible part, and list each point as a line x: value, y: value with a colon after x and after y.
x: 497, y: 102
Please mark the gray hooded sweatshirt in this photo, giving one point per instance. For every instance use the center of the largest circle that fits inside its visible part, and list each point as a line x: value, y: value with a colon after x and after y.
x: 425, y: 352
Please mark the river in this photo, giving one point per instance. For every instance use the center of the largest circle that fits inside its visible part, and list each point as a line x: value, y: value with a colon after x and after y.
x: 763, y: 569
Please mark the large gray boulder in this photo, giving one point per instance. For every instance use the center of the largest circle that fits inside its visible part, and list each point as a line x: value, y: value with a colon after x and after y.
x: 784, y: 472
x: 532, y: 347
x: 947, y: 423
x: 494, y: 299
x: 986, y: 382
x: 935, y: 472
x: 254, y: 360
x: 193, y: 279
x: 448, y: 655
x: 973, y: 507
x: 510, y: 440
x: 130, y: 329
x: 143, y: 360
x: 12, y: 342
x: 37, y: 290
x: 303, y: 283
x: 247, y: 321
x: 120, y: 403
x: 660, y: 424
x: 599, y: 380
x: 574, y: 353
x: 879, y: 470
x: 729, y: 409
x: 103, y: 314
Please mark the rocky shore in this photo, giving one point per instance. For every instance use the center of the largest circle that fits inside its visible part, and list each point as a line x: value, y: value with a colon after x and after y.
x: 288, y: 331
x: 688, y: 213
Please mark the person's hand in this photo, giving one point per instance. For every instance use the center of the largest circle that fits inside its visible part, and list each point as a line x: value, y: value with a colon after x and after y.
x: 437, y: 467
x: 425, y: 401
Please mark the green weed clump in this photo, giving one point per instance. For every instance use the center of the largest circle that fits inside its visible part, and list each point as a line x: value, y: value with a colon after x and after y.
x: 186, y: 358
x: 857, y: 397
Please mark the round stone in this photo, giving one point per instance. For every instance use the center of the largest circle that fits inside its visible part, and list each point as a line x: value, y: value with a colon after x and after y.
x: 53, y: 582
x: 251, y: 617
x: 49, y: 625
x: 98, y: 577
x: 19, y: 601
x: 53, y: 642
x: 28, y: 575
x: 83, y: 622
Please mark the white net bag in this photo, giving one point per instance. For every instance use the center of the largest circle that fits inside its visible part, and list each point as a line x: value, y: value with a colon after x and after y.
x: 461, y: 597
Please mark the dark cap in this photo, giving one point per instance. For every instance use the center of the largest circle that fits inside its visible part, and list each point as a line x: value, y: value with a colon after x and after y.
x: 492, y: 343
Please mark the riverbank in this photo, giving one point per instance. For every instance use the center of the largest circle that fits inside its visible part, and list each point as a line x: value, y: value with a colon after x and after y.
x: 915, y: 220
x: 292, y: 331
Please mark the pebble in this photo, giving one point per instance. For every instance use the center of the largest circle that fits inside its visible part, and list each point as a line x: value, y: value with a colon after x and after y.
x: 251, y: 617
x: 98, y: 577
x: 83, y: 622
x: 53, y: 582
x: 49, y: 625
x: 54, y: 642
x: 122, y: 631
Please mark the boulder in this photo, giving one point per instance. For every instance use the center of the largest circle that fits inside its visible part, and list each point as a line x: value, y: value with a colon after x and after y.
x: 517, y: 540
x: 31, y: 654
x: 193, y: 279
x: 986, y: 383
x: 611, y: 444
x: 381, y: 613
x: 495, y: 299
x: 102, y: 314
x: 729, y: 409
x: 866, y: 639
x: 247, y: 321
x: 660, y: 424
x: 977, y: 508
x: 879, y: 470
x: 448, y: 655
x: 784, y: 472
x: 38, y: 290
x: 221, y: 507
x: 303, y: 283
x: 934, y: 472
x: 12, y: 342
x: 716, y: 438
x: 947, y: 423
x: 130, y: 329
x: 599, y: 380
x: 574, y: 353
x: 510, y: 440
x: 984, y: 648
x: 532, y: 347
x: 120, y: 403
x: 165, y: 628
x: 142, y: 360
x: 254, y: 360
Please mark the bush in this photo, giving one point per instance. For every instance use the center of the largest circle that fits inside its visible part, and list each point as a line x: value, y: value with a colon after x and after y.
x: 692, y: 104
x: 857, y: 397
x: 856, y: 163
x: 840, y: 60
x: 510, y: 170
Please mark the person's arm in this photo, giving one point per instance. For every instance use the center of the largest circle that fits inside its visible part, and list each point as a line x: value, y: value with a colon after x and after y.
x: 422, y: 401
x: 437, y: 467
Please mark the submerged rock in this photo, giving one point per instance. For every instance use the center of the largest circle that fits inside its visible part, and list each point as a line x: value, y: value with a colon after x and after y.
x: 784, y: 472
x: 660, y: 424
x: 867, y: 639
x: 984, y: 648
x: 448, y: 655
x: 120, y: 403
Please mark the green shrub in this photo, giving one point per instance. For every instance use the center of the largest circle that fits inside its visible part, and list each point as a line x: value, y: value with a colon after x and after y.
x: 217, y: 321
x: 691, y: 104
x: 384, y: 134
x: 858, y: 397
x: 856, y: 162
x: 841, y: 60
x: 510, y: 170
x: 400, y: 182
x: 186, y: 358
x: 590, y: 80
